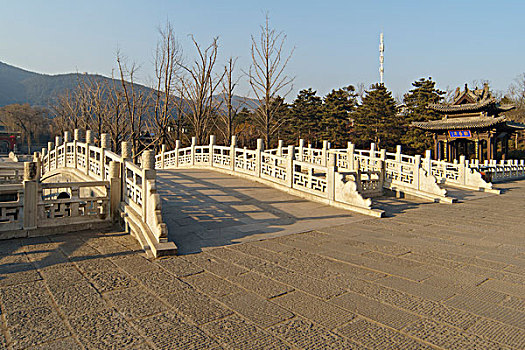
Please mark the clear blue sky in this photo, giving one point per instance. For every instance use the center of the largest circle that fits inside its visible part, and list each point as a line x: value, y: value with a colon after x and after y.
x: 336, y: 42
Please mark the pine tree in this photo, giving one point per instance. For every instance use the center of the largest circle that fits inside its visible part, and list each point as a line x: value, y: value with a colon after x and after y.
x: 304, y: 117
x: 335, y: 123
x: 416, y: 102
x: 376, y: 119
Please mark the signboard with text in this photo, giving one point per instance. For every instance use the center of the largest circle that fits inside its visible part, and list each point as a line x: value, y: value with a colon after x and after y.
x: 459, y: 133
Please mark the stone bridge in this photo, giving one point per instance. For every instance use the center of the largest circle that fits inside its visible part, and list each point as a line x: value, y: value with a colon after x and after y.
x: 210, y: 195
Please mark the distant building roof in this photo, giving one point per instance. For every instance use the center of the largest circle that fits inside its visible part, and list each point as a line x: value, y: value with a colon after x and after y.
x: 472, y: 101
x: 466, y: 123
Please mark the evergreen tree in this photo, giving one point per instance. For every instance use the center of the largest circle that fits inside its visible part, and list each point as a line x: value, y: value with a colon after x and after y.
x: 416, y: 102
x: 304, y: 117
x: 335, y: 124
x: 376, y: 119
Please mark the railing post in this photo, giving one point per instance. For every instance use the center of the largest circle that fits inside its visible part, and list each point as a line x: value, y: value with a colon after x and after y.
x: 30, y: 196
x: 301, y: 150
x: 417, y: 166
x: 350, y: 156
x: 38, y: 161
x: 115, y: 189
x: 398, y: 153
x: 163, y: 154
x: 105, y: 144
x: 330, y: 176
x: 58, y: 142
x: 258, y: 157
x: 382, y: 168
x: 324, y: 153
x: 67, y: 139
x: 462, y: 170
x: 76, y: 138
x: 148, y: 173
x: 280, y: 148
x: 126, y: 156
x: 290, y: 167
x: 212, y: 143
x: 232, y: 153
x: 372, y: 150
x: 50, y: 147
x: 89, y: 141
x: 193, y: 142
x: 44, y: 152
x: 177, y: 146
x: 428, y: 161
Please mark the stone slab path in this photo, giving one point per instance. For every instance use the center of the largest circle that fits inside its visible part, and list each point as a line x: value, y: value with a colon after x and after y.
x: 431, y: 276
x: 203, y: 208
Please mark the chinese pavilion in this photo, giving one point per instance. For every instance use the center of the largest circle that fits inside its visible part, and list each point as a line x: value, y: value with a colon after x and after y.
x: 471, y: 126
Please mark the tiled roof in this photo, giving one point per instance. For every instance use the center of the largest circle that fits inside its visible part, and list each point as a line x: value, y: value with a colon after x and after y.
x: 462, y: 108
x: 466, y: 123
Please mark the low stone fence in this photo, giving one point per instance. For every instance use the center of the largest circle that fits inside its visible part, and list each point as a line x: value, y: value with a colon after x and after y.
x: 133, y: 188
x: 392, y: 171
x: 32, y: 208
x: 321, y: 182
x: 504, y: 170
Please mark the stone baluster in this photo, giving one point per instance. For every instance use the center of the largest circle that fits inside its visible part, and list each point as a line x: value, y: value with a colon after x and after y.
x: 398, y: 153
x: 58, y: 156
x: 148, y: 173
x: 280, y: 145
x: 324, y: 153
x: 50, y: 147
x: 350, y: 149
x: 382, y: 168
x: 38, y: 161
x: 67, y: 140
x: 245, y: 158
x: 290, y: 166
x: 462, y: 170
x: 163, y: 155
x: 105, y: 145
x: 44, y: 153
x: 211, y: 150
x: 428, y: 161
x: 258, y: 157
x: 177, y: 147
x: 330, y: 176
x: 115, y: 188
x: 417, y: 166
x: 126, y: 156
x: 30, y: 196
x: 301, y: 150
x: 193, y: 145
x: 233, y: 145
x: 77, y: 137
x: 89, y: 142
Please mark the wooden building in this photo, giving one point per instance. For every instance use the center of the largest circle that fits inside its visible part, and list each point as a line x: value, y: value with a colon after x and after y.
x: 473, y: 126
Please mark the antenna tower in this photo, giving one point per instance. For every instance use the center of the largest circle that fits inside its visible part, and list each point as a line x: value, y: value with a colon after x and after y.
x: 381, y: 57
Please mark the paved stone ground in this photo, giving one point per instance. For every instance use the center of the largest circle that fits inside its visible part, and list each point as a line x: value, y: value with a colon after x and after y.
x: 431, y: 276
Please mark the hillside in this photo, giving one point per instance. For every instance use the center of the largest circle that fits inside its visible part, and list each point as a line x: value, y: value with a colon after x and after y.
x: 21, y: 86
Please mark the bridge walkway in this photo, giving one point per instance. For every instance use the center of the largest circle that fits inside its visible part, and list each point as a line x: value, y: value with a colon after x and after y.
x: 204, y: 208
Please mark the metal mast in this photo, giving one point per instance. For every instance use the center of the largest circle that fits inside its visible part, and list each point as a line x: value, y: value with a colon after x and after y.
x: 381, y: 57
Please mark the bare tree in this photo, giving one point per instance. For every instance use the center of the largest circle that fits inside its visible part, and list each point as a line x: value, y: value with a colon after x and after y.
x: 135, y: 102
x: 267, y: 77
x: 67, y: 112
x: 168, y: 61
x: 228, y: 111
x: 31, y: 122
x: 198, y: 89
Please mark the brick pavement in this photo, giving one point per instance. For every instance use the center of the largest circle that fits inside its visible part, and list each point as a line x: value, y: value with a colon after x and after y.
x: 432, y: 276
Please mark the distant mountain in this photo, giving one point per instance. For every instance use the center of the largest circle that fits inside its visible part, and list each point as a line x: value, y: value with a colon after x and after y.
x: 21, y: 86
